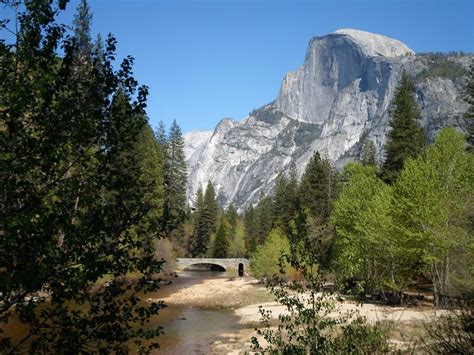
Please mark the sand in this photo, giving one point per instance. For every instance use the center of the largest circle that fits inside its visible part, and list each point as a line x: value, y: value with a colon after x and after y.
x: 246, y: 295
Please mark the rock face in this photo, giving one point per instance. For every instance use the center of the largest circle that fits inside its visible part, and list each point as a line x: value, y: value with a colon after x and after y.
x: 343, y: 89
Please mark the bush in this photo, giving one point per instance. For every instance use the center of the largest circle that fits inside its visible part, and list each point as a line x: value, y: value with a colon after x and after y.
x: 452, y: 333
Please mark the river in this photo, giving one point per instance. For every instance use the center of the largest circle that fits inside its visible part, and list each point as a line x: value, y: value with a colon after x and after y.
x: 189, y: 330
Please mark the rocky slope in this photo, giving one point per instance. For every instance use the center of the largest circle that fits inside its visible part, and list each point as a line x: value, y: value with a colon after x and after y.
x: 343, y: 89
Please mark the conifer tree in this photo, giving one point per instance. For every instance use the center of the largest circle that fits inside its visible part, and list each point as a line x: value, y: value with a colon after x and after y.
x: 210, y: 207
x: 197, y: 245
x: 251, y: 229
x: 82, y: 29
x: 369, y: 152
x: 231, y: 216
x: 148, y: 152
x: 406, y: 137
x: 318, y: 188
x: 175, y: 179
x: 205, y: 220
x: 221, y: 243
x: 265, y: 218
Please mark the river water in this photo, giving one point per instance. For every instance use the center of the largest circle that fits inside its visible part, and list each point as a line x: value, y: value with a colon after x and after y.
x: 190, y: 330
x: 187, y: 330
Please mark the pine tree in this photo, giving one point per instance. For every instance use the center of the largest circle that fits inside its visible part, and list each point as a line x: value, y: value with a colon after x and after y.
x: 251, y: 229
x: 232, y: 215
x: 469, y: 115
x: 265, y: 218
x: 406, y: 138
x: 221, y: 243
x: 175, y: 179
x: 369, y: 152
x: 206, y: 219
x: 82, y: 29
x: 198, y: 245
x: 148, y: 152
x: 280, y: 200
x: 318, y: 188
x: 210, y: 207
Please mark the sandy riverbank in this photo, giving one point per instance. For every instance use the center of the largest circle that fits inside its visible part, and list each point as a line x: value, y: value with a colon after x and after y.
x: 245, y: 295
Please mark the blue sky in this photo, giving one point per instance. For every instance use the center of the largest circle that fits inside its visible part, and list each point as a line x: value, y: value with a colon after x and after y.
x: 204, y: 60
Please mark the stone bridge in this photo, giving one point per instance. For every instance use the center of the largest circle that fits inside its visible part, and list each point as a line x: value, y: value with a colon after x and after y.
x: 240, y: 265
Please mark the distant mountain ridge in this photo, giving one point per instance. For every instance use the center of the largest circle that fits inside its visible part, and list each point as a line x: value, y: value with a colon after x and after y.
x: 344, y: 88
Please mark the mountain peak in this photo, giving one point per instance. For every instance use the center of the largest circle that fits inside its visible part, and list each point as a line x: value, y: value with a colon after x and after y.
x: 376, y: 45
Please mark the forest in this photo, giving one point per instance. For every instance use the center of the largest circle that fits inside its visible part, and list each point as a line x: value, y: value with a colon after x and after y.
x: 94, y: 209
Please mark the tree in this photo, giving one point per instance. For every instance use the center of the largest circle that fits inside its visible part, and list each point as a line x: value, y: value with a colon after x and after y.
x: 210, y: 208
x: 265, y: 218
x: 266, y: 259
x: 251, y: 229
x: 469, y: 115
x: 433, y: 200
x: 175, y: 179
x: 221, y: 242
x: 364, y: 253
x: 318, y: 187
x: 82, y: 29
x: 406, y: 138
x: 369, y: 153
x: 148, y: 153
x: 197, y: 244
x: 205, y: 219
x: 72, y: 195
x: 232, y: 215
x: 285, y: 198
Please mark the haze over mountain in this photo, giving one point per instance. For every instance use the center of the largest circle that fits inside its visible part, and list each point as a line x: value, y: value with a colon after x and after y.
x: 342, y: 91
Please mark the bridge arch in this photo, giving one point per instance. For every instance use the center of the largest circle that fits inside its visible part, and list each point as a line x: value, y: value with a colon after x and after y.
x: 200, y: 266
x: 239, y: 265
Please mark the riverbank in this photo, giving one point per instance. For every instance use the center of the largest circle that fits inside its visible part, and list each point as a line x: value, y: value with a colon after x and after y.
x: 244, y: 296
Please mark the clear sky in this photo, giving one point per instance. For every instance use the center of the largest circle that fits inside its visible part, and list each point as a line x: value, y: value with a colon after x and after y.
x: 204, y: 60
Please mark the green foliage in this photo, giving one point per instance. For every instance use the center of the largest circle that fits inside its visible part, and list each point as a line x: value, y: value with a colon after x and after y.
x: 148, y: 153
x: 365, y: 254
x: 232, y: 216
x: 406, y: 138
x: 237, y: 244
x: 369, y: 153
x: 285, y: 198
x: 266, y: 259
x: 77, y: 197
x: 318, y: 188
x: 204, y: 220
x: 310, y: 324
x: 175, y: 180
x: 433, y: 203
x: 252, y: 230
x: 221, y: 241
x: 388, y: 237
x: 82, y: 29
x: 265, y: 218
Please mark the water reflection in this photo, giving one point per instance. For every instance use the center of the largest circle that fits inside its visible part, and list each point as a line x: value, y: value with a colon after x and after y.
x: 191, y: 330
